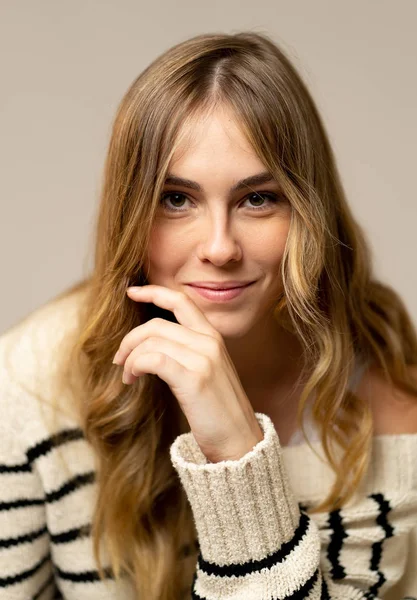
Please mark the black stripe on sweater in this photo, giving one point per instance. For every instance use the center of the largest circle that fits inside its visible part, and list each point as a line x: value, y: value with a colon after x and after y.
x: 324, y: 590
x: 337, y: 536
x: 23, y: 539
x: 58, y: 439
x: 21, y: 503
x: 252, y: 566
x: 59, y: 538
x: 300, y: 594
x: 20, y: 468
x: 19, y: 577
x: 83, y: 576
x: 377, y: 547
x: 42, y: 448
x: 71, y: 535
x: 70, y: 486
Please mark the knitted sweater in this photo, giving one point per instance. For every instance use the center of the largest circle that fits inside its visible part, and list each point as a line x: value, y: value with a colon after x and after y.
x: 255, y: 538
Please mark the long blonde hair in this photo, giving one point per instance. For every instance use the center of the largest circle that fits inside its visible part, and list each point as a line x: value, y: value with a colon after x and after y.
x: 330, y: 300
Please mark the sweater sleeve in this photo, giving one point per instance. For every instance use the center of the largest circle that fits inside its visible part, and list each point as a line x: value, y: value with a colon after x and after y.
x: 256, y: 541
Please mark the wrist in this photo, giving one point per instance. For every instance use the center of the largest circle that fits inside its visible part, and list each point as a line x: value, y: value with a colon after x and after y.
x: 235, y: 451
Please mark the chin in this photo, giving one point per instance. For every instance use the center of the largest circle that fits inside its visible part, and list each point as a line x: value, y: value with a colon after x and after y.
x: 229, y: 326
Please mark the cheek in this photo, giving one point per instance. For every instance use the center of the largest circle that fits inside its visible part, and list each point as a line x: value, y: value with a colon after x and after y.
x: 268, y: 245
x: 166, y: 252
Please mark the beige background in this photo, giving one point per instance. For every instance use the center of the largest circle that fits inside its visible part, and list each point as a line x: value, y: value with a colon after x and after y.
x: 65, y: 66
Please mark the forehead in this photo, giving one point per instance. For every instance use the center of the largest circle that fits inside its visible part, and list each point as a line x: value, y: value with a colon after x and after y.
x: 213, y: 136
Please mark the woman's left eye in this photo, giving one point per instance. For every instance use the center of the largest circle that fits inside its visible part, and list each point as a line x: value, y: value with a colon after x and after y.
x: 272, y: 198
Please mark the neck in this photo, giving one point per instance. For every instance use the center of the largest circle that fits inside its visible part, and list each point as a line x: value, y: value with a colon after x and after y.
x: 266, y: 358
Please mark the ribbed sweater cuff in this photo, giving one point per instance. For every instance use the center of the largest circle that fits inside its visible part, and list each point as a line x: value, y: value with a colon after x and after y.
x: 243, y: 509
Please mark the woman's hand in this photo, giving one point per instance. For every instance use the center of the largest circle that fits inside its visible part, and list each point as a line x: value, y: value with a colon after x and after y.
x: 190, y: 356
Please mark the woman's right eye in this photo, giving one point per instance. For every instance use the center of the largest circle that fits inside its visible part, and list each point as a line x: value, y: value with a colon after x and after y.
x: 174, y: 196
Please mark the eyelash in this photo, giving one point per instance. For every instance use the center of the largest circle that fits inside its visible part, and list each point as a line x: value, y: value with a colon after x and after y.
x: 274, y: 199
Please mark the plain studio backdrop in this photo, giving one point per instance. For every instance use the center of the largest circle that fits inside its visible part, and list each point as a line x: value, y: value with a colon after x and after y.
x: 66, y: 65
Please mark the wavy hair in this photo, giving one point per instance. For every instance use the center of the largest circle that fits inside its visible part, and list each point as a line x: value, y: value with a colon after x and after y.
x: 330, y: 298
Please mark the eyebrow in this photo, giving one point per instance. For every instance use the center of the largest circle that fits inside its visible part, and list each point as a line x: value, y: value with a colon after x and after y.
x: 258, y: 179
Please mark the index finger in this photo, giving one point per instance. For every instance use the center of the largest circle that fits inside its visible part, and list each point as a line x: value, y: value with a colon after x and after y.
x: 185, y: 310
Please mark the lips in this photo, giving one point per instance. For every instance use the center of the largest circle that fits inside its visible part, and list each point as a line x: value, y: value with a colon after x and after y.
x: 220, y: 295
x: 220, y: 286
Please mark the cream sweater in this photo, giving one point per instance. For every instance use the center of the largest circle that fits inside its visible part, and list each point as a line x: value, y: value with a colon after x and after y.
x: 255, y: 538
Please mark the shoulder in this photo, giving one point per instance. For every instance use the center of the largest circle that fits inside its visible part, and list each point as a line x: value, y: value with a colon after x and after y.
x: 42, y: 331
x: 30, y: 353
x: 394, y: 410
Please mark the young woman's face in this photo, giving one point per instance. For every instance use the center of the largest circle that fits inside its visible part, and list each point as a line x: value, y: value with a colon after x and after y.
x: 217, y: 234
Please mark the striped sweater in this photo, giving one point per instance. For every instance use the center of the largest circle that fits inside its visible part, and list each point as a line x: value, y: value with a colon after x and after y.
x: 255, y: 537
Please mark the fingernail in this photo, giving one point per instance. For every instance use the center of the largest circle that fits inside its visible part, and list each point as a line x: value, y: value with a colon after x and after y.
x: 116, y: 358
x: 134, y: 288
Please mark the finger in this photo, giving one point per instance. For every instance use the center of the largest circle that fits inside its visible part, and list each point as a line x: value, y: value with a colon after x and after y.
x: 185, y: 356
x: 161, y: 328
x: 184, y: 308
x: 157, y: 363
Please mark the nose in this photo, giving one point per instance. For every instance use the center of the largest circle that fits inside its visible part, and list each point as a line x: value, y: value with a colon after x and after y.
x: 219, y: 242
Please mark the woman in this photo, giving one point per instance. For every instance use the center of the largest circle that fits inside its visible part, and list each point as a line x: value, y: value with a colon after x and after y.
x: 173, y: 441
